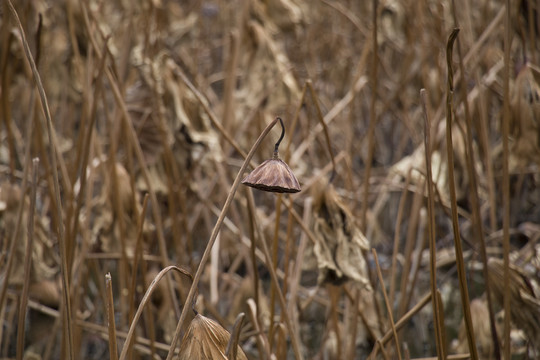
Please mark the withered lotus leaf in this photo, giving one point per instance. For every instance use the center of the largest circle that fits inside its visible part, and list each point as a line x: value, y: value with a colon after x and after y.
x: 524, y: 297
x: 205, y: 339
x: 339, y: 243
x: 273, y: 175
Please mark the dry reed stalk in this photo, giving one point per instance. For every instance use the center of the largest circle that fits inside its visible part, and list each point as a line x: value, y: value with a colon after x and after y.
x: 275, y: 246
x: 372, y: 118
x: 292, y: 333
x: 465, y: 305
x: 387, y: 302
x: 83, y: 155
x: 413, y: 222
x: 253, y: 257
x: 506, y: 179
x: 113, y: 349
x: 27, y: 261
x: 289, y: 253
x: 10, y: 253
x: 437, y: 310
x: 397, y: 235
x: 482, y: 331
x: 118, y: 210
x: 137, y: 257
x: 478, y: 229
x: 53, y: 156
x: 5, y: 83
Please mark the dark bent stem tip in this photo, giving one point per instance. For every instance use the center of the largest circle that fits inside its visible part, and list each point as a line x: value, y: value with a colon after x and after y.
x: 281, y: 137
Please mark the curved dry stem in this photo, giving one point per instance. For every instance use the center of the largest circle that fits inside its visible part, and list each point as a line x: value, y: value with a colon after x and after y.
x: 144, y: 301
x: 232, y: 346
x: 280, y: 138
x: 213, y: 237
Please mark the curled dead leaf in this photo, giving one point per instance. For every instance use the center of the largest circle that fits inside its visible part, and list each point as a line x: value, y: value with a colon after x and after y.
x: 525, y: 302
x: 339, y: 242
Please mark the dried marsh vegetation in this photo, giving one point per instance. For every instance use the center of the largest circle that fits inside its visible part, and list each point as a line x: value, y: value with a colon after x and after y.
x: 400, y: 220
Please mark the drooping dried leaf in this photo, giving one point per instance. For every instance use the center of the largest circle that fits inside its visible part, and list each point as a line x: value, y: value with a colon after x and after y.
x: 205, y: 339
x: 525, y: 302
x: 273, y: 175
x: 339, y: 242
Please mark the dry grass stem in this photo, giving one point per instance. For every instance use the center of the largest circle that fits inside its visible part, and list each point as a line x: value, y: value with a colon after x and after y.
x: 452, y: 189
x: 113, y: 350
x: 53, y: 153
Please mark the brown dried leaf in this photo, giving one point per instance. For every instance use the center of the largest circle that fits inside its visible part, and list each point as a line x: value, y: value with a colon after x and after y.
x: 525, y: 304
x: 205, y: 339
x: 339, y: 242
